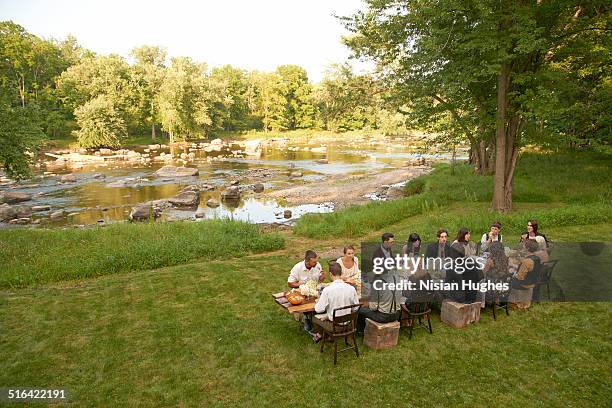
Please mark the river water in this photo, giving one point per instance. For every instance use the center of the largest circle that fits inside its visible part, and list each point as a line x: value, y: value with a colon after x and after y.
x: 105, y: 192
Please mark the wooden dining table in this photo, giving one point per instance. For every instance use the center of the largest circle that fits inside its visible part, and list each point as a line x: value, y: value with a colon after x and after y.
x: 305, y: 307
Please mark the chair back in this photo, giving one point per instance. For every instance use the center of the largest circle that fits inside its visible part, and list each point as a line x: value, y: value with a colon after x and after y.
x: 546, y: 270
x: 345, y: 323
x: 420, y: 302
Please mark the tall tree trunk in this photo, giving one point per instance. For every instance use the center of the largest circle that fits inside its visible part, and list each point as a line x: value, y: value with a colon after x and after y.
x: 153, y: 131
x: 502, y: 187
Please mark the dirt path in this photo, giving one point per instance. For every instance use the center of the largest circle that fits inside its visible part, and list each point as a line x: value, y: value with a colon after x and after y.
x: 346, y: 190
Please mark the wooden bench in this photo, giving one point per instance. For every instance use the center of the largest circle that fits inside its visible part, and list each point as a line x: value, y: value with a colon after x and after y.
x: 381, y: 335
x: 459, y: 315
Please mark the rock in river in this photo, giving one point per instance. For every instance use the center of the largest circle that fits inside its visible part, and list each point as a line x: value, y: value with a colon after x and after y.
x: 171, y: 171
x: 296, y: 174
x: 7, y: 213
x: 212, y: 203
x: 12, y: 197
x: 68, y: 178
x: 185, y: 199
x: 144, y: 211
x: 258, y: 187
x: 231, y: 193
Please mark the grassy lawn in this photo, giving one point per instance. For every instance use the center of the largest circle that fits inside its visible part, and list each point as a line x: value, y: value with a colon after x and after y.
x: 35, y: 256
x: 208, y: 334
x: 202, y: 329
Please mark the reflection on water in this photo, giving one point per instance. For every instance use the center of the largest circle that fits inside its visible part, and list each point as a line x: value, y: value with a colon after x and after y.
x: 106, y: 192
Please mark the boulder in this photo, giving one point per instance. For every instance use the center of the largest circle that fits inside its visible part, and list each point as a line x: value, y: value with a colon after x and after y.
x: 296, y: 174
x: 153, y: 147
x: 322, y: 161
x: 20, y: 221
x: 212, y: 203
x: 217, y: 142
x: 145, y: 211
x: 57, y: 215
x: 459, y: 315
x: 68, y: 178
x: 381, y: 335
x: 98, y: 176
x: 258, y: 187
x: 172, y: 171
x: 231, y: 193
x: 7, y: 213
x: 23, y: 211
x: 200, y: 213
x: 12, y: 197
x: 185, y: 199
x: 253, y: 147
x: 105, y: 152
x: 287, y: 214
x: 38, y: 208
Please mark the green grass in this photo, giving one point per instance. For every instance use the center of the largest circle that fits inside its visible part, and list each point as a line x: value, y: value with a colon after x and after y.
x: 579, y: 182
x: 205, y: 332
x: 31, y: 256
x: 209, y: 334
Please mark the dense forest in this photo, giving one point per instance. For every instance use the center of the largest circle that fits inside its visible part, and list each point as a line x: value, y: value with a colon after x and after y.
x: 497, y: 75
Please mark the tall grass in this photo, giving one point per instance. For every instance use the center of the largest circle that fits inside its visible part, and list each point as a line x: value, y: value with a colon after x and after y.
x: 580, y: 180
x: 29, y: 256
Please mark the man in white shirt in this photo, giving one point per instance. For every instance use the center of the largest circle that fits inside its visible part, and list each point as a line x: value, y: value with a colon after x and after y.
x: 337, y: 294
x: 308, y: 269
x: 302, y: 272
x: 491, y: 236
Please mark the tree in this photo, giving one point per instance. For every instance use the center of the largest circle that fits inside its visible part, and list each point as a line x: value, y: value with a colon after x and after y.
x: 100, y: 124
x: 185, y: 100
x: 348, y: 101
x: 269, y: 100
x: 147, y: 75
x: 300, y: 111
x: 480, y: 61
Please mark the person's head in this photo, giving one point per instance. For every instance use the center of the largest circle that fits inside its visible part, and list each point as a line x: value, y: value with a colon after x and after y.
x: 531, y: 246
x: 335, y: 270
x: 532, y: 227
x: 463, y: 235
x: 442, y: 235
x: 498, y: 254
x: 311, y: 258
x: 388, y: 239
x: 414, y: 240
x: 349, y: 251
x: 495, y: 227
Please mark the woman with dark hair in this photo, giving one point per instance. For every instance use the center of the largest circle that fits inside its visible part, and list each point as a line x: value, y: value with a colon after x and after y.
x: 413, y: 245
x: 496, y: 267
x: 463, y: 242
x: 533, y: 234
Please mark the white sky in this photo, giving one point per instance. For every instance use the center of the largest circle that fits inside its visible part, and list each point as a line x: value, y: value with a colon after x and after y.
x: 257, y: 34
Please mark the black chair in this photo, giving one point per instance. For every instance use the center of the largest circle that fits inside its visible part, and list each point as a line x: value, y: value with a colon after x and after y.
x: 414, y: 313
x: 498, y: 300
x: 546, y: 270
x: 344, y: 326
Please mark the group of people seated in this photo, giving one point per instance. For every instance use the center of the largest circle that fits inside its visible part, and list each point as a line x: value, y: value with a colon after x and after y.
x: 519, y: 272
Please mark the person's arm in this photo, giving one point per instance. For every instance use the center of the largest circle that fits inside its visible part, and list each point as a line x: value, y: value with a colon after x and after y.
x: 322, y: 274
x: 524, y: 268
x: 322, y: 303
x: 293, y: 281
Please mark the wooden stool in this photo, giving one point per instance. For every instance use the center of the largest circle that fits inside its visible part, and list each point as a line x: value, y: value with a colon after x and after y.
x: 459, y: 315
x: 381, y: 335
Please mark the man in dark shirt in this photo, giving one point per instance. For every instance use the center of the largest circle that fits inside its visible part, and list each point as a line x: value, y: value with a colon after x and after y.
x: 440, y: 249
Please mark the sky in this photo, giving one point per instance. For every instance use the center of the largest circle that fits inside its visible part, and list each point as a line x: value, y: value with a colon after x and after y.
x: 256, y: 34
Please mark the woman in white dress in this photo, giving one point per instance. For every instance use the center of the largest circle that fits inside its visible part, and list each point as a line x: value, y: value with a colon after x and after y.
x: 350, y: 267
